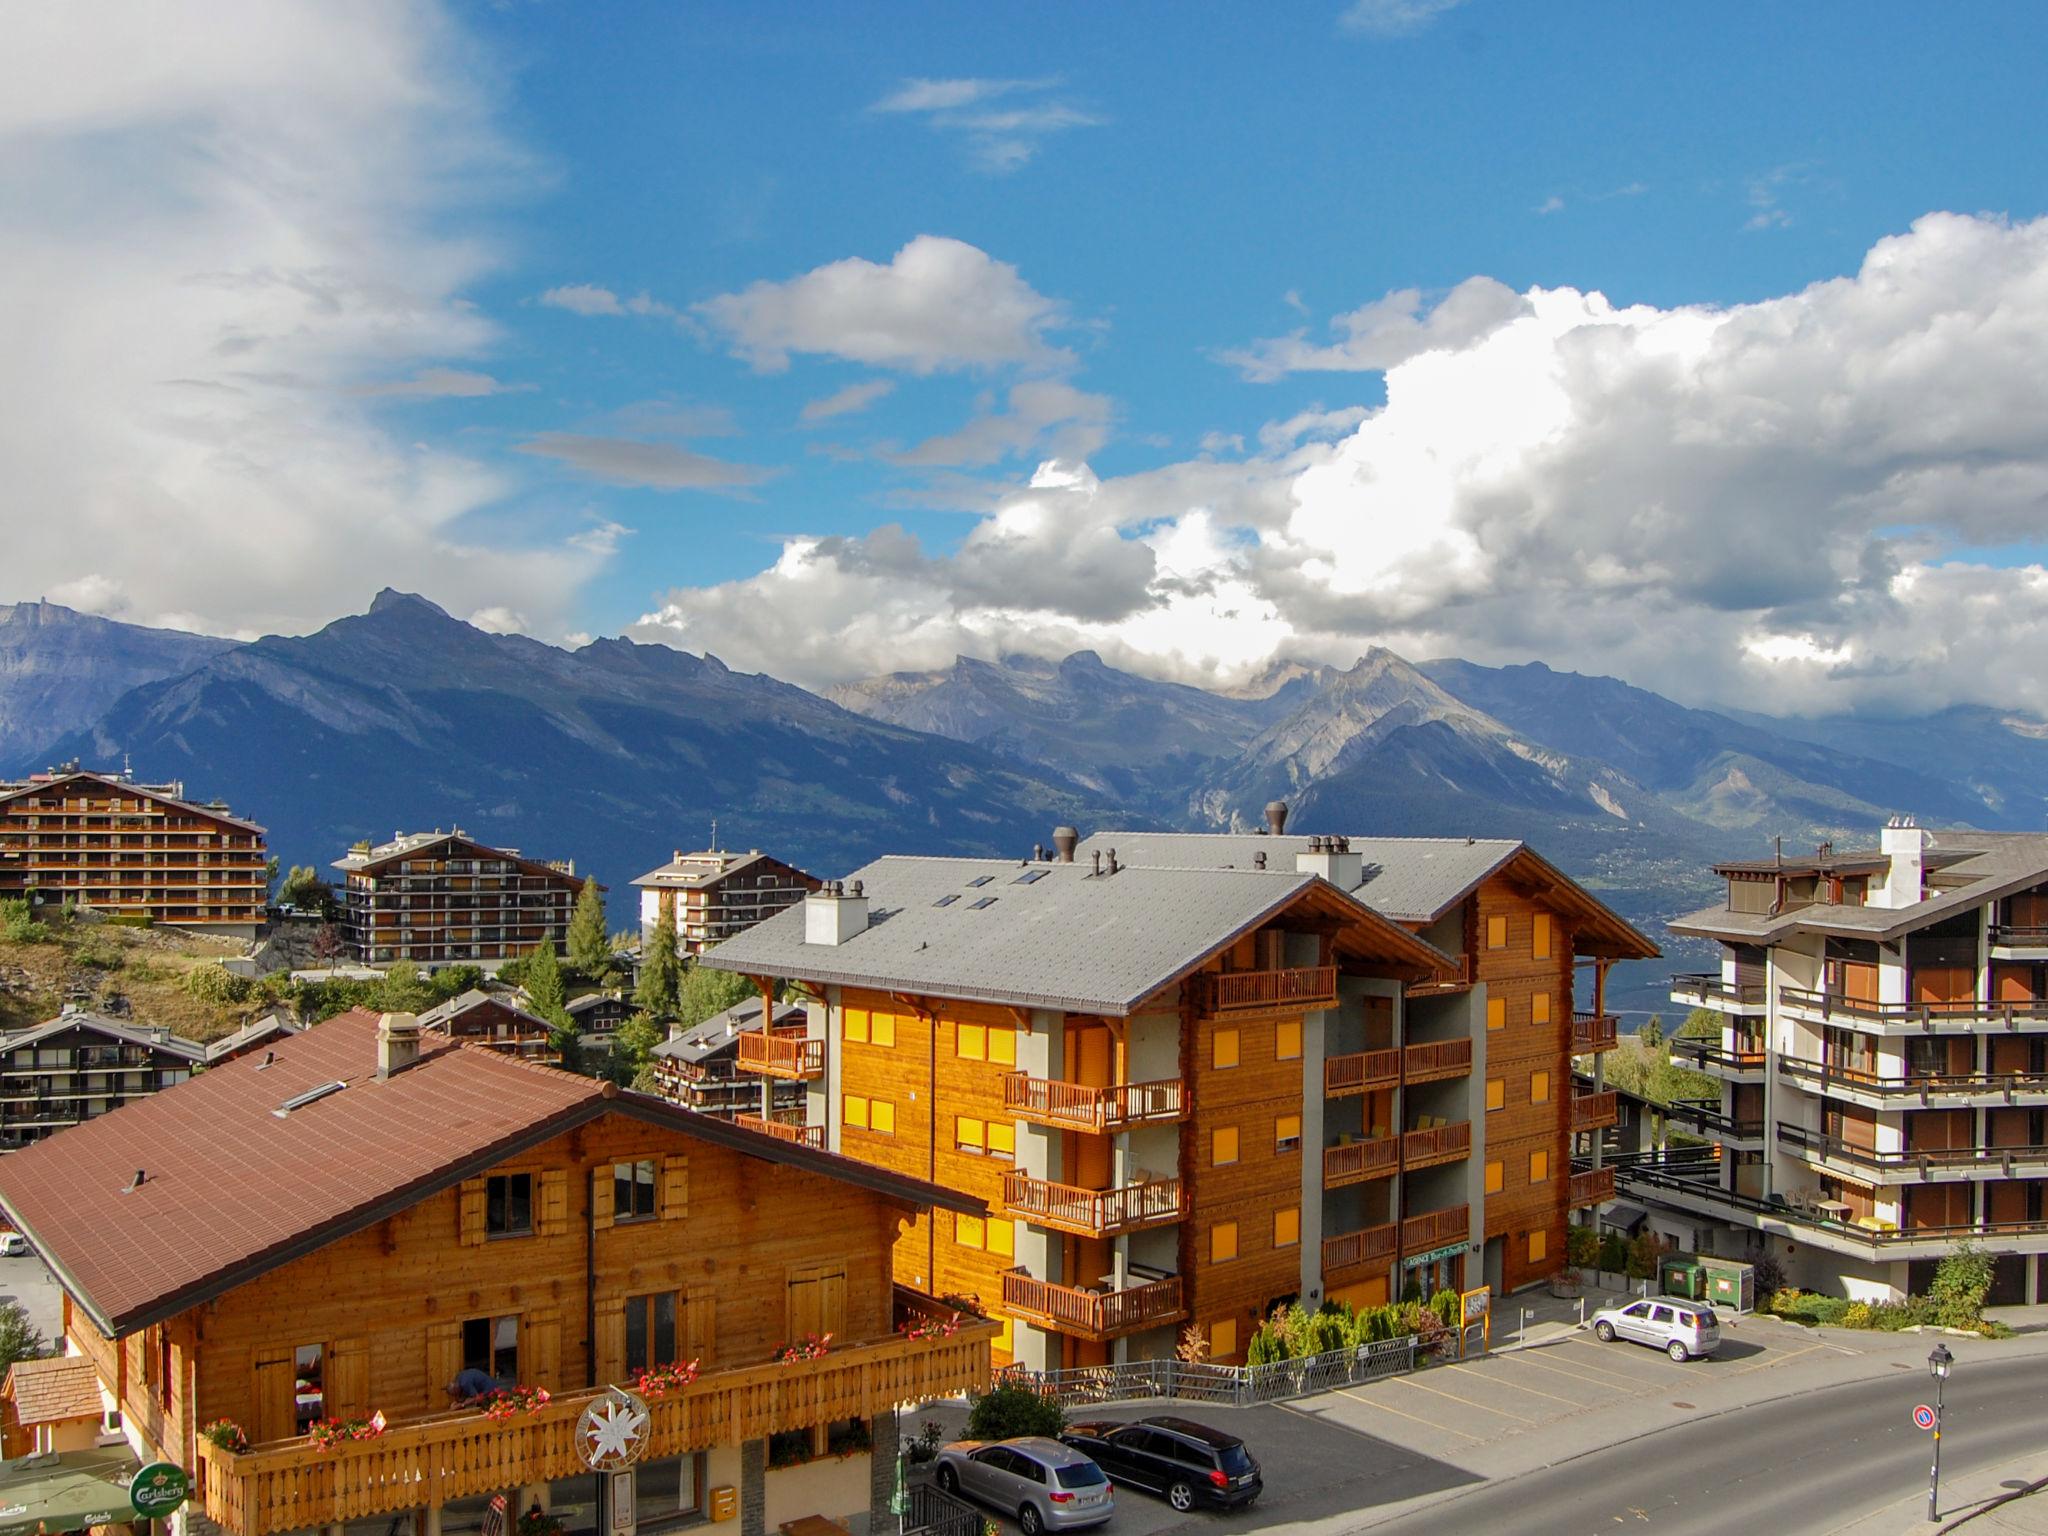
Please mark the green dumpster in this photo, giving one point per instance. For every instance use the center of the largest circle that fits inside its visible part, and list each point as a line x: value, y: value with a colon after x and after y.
x: 1679, y: 1275
x: 1731, y: 1284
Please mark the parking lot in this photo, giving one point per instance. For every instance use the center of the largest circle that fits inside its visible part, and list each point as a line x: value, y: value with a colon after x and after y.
x: 28, y: 1280
x: 1361, y: 1451
x: 1457, y: 1407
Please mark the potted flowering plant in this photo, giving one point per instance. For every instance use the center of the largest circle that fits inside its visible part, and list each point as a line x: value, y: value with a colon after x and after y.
x: 507, y: 1403
x: 812, y: 1346
x: 927, y: 1327
x: 226, y: 1434
x: 660, y: 1380
x: 326, y: 1434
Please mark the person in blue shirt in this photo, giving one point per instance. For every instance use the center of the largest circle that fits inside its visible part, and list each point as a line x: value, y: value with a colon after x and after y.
x: 471, y: 1385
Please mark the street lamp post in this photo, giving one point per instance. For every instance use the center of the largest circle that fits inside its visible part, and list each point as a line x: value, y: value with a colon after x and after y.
x: 1938, y: 1364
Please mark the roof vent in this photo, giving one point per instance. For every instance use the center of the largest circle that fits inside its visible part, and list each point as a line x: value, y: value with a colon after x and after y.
x: 1276, y: 817
x: 1113, y: 865
x: 269, y: 1059
x: 141, y: 1178
x: 1259, y: 859
x: 1098, y: 861
x: 310, y: 1096
x: 1065, y: 840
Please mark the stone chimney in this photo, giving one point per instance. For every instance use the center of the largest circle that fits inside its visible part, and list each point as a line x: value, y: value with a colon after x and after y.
x: 835, y: 913
x: 1905, y: 846
x: 1332, y: 858
x: 1065, y: 840
x: 398, y: 1042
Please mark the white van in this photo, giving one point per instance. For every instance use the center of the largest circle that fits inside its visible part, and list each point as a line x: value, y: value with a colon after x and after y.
x: 13, y: 1245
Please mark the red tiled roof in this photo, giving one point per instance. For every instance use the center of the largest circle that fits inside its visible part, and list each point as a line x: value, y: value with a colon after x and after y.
x: 232, y: 1189
x: 60, y: 1387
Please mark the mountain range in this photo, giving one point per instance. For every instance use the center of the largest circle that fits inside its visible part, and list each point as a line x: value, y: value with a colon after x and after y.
x: 615, y: 753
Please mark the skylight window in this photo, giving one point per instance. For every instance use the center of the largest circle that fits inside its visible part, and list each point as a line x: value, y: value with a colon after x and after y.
x: 946, y: 901
x: 1031, y: 877
x: 976, y: 906
x: 980, y: 880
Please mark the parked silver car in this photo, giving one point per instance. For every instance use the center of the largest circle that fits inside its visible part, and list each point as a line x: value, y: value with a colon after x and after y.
x: 1046, y: 1485
x: 1684, y: 1330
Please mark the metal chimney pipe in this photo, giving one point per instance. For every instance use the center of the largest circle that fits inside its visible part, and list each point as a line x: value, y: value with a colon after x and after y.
x: 1066, y: 840
x: 1276, y: 817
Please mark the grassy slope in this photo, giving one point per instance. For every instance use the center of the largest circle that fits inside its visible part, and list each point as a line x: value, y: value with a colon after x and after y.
x: 143, y: 965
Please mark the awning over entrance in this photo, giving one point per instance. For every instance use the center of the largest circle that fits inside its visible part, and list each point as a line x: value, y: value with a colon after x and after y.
x: 66, y: 1491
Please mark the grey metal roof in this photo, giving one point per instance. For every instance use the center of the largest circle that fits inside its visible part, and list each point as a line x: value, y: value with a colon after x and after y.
x: 1050, y: 936
x: 687, y: 871
x: 263, y: 1027
x: 1410, y: 879
x: 717, y: 1034
x: 115, y: 1029
x: 1975, y: 867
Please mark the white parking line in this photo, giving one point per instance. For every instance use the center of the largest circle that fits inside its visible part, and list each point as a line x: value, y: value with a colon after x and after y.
x: 1515, y: 1386
x: 1412, y: 1417
x: 1409, y: 1381
x: 1527, y: 1357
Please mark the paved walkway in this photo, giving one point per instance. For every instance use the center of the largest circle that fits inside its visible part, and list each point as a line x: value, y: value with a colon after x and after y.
x: 2003, y: 1501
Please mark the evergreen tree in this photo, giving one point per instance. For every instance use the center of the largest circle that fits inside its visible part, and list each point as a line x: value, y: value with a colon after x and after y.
x: 661, y: 971
x: 590, y: 949
x: 544, y: 984
x: 706, y: 992
x: 20, y: 1339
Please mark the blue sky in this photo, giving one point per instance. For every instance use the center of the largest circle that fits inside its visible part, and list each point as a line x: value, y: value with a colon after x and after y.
x: 1163, y: 195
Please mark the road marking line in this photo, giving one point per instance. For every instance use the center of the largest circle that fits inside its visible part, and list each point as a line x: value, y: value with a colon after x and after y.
x: 1515, y: 1386
x: 1415, y: 1417
x: 1770, y: 1360
x: 1592, y: 1380
x: 1468, y: 1402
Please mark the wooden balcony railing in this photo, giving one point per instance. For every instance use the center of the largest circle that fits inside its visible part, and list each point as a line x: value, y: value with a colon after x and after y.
x: 783, y: 1130
x: 1092, y: 1212
x: 1593, y: 1111
x: 1301, y: 986
x: 1072, y: 1107
x: 1594, y: 1032
x: 1435, y: 1059
x: 1355, y: 1162
x: 1094, y: 1315
x: 1591, y: 1186
x: 1438, y: 1144
x: 1364, y: 1071
x: 1710, y: 987
x: 288, y: 1485
x: 785, y: 1053
x: 1458, y: 981
x: 1351, y: 1250
x: 1360, y: 1072
x: 1958, y: 1014
x: 1437, y: 1229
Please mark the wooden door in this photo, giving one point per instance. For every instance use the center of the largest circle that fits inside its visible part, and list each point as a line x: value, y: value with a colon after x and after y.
x: 1943, y: 984
x: 1938, y: 1205
x: 1930, y: 1130
x: 1091, y: 1058
x: 2011, y: 1053
x: 2009, y: 1128
x: 2006, y: 1200
x: 1859, y: 980
x: 347, y: 1383
x: 276, y: 1399
x: 2015, y: 983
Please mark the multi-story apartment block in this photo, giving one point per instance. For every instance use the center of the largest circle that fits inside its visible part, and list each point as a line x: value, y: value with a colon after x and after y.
x: 1883, y: 1058
x: 132, y: 850
x: 710, y: 896
x: 78, y: 1066
x: 494, y: 1021
x: 439, y: 898
x: 697, y: 1066
x: 349, y: 1228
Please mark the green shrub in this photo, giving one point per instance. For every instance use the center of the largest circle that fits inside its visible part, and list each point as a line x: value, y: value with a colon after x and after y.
x: 1961, y: 1282
x: 1005, y: 1411
x: 214, y: 983
x: 1860, y: 1314
x: 1644, y: 1250
x: 132, y: 920
x: 19, y: 926
x: 1581, y: 1247
x: 99, y: 953
x: 1613, y: 1252
x: 1445, y: 1305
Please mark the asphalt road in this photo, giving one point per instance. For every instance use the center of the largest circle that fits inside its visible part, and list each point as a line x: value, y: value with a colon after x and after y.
x: 1810, y: 1463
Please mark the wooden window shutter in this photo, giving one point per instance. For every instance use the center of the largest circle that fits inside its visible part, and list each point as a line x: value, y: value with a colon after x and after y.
x: 675, y: 1187
x: 803, y: 1312
x: 601, y: 1196
x: 471, y: 1198
x: 700, y: 1325
x: 540, y: 1349
x: 348, y: 1379
x: 444, y: 1358
x: 554, y: 1202
x: 276, y: 1401
x: 832, y: 1304
x: 611, y: 1340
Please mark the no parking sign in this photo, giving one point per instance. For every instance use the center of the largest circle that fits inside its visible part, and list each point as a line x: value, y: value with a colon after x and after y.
x: 1923, y: 1417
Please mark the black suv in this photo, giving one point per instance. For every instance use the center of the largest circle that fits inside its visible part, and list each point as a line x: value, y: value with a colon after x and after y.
x: 1189, y: 1463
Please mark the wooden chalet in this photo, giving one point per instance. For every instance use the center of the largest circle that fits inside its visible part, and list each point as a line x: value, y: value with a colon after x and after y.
x: 336, y: 1230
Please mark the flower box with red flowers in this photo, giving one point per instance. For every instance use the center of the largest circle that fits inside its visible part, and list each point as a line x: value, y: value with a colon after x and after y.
x: 926, y: 1327
x: 507, y: 1403
x: 326, y: 1434
x: 660, y: 1380
x: 812, y: 1346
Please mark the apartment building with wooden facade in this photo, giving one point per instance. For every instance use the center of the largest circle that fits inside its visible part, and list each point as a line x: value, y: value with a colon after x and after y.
x: 1529, y: 942
x: 1131, y: 1066
x: 338, y: 1231
x: 81, y: 1065
x: 443, y: 898
x: 712, y: 895
x: 698, y: 1067
x: 132, y: 850
x: 1883, y: 1061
